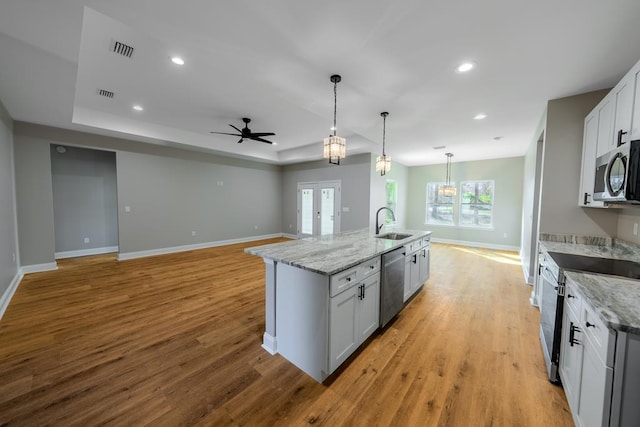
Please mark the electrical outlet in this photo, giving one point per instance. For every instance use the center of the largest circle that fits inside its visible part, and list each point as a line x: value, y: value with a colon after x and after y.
x: 505, y: 235
x: 635, y: 229
x: 345, y: 209
x: 13, y: 257
x: 290, y: 226
x: 255, y: 227
x: 86, y: 240
x: 127, y: 208
x: 193, y: 233
x: 220, y: 183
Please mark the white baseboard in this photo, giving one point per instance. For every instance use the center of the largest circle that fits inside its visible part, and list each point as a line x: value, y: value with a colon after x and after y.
x: 289, y: 236
x: 37, y: 268
x: 269, y: 343
x: 86, y: 252
x: 183, y: 248
x: 5, y: 298
x: 477, y: 244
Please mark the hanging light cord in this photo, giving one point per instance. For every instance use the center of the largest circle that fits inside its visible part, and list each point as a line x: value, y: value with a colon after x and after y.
x: 335, y: 105
x: 384, y: 132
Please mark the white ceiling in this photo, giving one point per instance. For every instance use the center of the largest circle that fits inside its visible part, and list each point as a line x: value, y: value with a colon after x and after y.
x: 271, y: 61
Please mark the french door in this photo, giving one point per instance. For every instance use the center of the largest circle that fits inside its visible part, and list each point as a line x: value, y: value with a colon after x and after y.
x: 318, y: 208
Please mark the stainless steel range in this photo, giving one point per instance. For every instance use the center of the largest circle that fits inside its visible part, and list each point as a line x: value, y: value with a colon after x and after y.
x: 552, y: 268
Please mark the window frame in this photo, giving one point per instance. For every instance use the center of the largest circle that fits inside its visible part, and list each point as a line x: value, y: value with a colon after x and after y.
x: 461, y: 204
x: 452, y: 204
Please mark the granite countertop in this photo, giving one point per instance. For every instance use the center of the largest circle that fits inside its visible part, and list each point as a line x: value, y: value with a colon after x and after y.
x: 333, y: 253
x: 615, y: 299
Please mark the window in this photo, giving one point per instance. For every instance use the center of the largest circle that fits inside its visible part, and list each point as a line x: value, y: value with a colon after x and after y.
x: 439, y: 208
x: 476, y: 204
x: 391, y: 192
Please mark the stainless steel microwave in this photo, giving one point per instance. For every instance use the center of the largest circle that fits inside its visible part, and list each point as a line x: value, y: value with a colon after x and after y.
x: 618, y: 175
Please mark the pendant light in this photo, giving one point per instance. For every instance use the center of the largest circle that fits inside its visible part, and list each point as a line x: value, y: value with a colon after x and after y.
x: 335, y: 146
x: 383, y: 163
x: 447, y: 190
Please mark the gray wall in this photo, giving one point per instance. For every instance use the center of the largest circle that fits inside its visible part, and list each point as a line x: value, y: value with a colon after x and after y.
x: 34, y: 198
x: 354, y: 173
x: 8, y: 227
x: 171, y: 192
x: 169, y: 198
x: 85, y: 203
x: 560, y: 212
x: 508, y: 176
x: 398, y: 173
x: 530, y: 203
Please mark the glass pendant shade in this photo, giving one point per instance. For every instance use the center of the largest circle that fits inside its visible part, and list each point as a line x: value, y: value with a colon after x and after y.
x: 335, y: 148
x: 383, y: 164
x: 447, y: 190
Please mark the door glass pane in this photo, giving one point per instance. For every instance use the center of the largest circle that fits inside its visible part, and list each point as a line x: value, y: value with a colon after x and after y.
x: 616, y: 175
x: 326, y: 211
x: 306, y: 211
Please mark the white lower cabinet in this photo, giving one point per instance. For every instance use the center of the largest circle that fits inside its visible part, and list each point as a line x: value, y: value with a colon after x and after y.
x: 571, y: 355
x: 416, y: 270
x: 353, y: 316
x: 595, y: 389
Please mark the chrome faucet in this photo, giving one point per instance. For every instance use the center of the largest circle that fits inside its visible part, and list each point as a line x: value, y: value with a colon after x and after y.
x: 379, y: 226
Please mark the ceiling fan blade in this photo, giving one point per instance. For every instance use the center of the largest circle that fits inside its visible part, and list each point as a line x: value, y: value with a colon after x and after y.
x: 241, y: 139
x: 255, y: 138
x: 236, y: 129
x: 262, y: 134
x: 225, y: 133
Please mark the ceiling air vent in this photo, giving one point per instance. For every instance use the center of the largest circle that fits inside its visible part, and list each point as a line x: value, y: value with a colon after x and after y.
x: 440, y: 147
x: 123, y: 49
x: 105, y: 93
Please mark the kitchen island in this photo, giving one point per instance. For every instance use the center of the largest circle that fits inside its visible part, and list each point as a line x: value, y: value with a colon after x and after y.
x: 323, y: 295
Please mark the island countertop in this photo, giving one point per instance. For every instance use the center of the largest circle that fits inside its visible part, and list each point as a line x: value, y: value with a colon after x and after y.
x: 333, y: 253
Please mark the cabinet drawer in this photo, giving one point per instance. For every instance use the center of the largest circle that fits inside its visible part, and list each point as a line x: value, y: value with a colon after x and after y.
x: 601, y: 337
x: 344, y: 280
x: 412, y: 246
x: 573, y: 299
x: 369, y: 267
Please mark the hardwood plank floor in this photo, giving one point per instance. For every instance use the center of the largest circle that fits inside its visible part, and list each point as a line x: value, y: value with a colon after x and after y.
x: 176, y: 340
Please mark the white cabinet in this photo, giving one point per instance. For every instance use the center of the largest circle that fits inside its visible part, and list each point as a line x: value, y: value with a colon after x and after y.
x: 635, y: 115
x: 605, y: 126
x: 571, y: 348
x: 353, y: 316
x: 586, y: 361
x: 321, y: 320
x: 416, y: 270
x: 589, y: 149
x: 613, y: 122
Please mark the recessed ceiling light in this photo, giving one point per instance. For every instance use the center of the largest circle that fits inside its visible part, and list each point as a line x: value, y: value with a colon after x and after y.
x: 497, y: 138
x: 466, y: 66
x: 138, y: 107
x: 480, y: 116
x: 177, y: 60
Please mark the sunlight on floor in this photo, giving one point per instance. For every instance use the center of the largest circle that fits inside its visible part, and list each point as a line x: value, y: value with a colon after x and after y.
x: 502, y: 257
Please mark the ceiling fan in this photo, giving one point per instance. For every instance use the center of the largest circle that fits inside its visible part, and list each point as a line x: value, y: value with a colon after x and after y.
x: 245, y: 133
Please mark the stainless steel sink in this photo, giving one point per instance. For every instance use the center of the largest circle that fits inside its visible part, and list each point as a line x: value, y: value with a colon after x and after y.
x: 393, y: 236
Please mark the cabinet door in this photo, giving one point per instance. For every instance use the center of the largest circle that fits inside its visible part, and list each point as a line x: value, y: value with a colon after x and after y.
x: 369, y: 307
x: 424, y: 264
x: 343, y: 333
x: 635, y: 120
x: 623, y: 93
x: 571, y: 358
x: 595, y: 389
x: 407, y: 277
x: 605, y: 126
x: 589, y: 147
x: 415, y: 272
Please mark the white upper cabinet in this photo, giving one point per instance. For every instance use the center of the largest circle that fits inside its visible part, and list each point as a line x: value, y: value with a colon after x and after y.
x: 589, y: 148
x: 605, y: 126
x: 635, y: 116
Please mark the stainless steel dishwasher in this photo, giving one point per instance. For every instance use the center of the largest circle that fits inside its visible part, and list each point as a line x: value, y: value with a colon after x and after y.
x: 392, y: 286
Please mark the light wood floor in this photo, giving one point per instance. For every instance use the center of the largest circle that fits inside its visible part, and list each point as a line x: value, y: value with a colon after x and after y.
x: 176, y: 340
